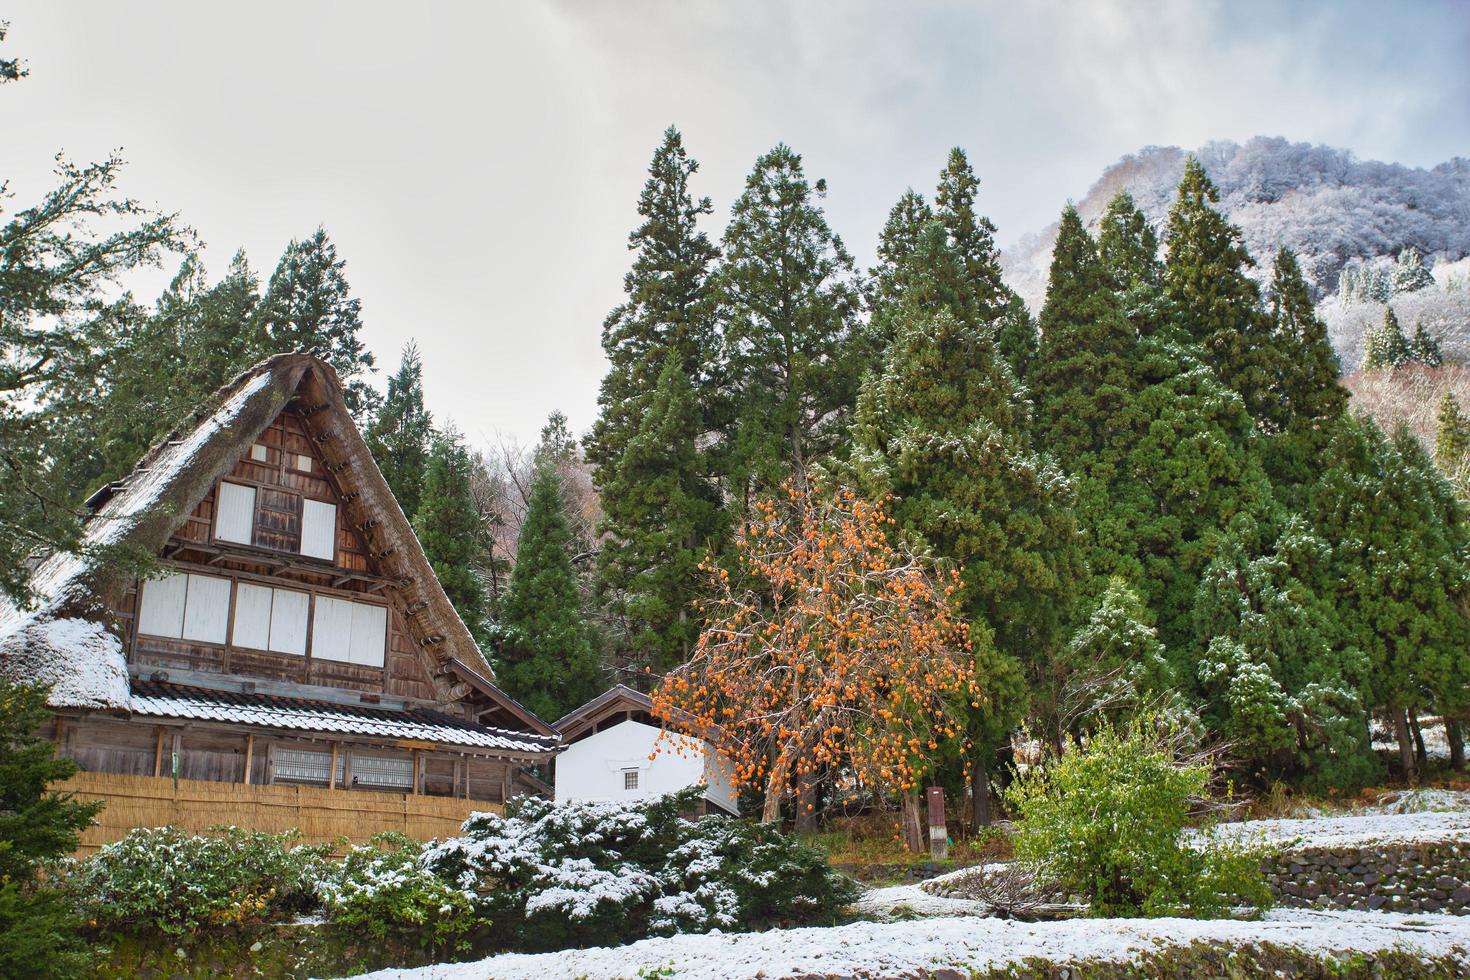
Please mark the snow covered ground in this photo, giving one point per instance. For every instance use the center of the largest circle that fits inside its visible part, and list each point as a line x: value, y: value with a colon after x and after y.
x: 891, y: 949
x: 1393, y: 828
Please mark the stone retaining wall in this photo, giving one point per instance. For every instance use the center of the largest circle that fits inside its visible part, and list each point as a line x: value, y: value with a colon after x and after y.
x: 1429, y: 876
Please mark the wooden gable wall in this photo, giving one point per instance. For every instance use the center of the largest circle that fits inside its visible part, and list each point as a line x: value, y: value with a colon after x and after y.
x: 286, y: 473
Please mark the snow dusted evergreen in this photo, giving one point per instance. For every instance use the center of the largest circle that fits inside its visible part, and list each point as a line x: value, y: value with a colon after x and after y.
x: 592, y: 873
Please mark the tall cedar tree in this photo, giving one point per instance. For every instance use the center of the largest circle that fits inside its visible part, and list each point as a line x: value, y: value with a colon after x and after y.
x: 450, y: 528
x: 1083, y: 373
x: 1452, y: 440
x: 981, y: 295
x: 548, y: 658
x: 308, y: 305
x: 656, y: 562
x: 402, y: 434
x: 40, y: 935
x: 1398, y: 557
x: 1128, y: 247
x: 892, y: 276
x: 946, y: 431
x: 1311, y: 399
x: 789, y: 300
x: 1214, y: 303
x: 55, y: 275
x: 1387, y: 347
x: 659, y: 345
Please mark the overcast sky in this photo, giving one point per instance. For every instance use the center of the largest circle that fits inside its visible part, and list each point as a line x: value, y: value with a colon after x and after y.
x: 478, y: 164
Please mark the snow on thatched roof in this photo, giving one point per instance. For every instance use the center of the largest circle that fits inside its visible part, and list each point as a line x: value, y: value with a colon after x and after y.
x: 165, y: 487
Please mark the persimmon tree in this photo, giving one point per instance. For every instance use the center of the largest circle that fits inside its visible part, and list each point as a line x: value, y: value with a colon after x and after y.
x: 830, y: 646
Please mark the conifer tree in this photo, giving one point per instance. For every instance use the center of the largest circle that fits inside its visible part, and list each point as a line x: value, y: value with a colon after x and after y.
x: 945, y: 430
x: 1451, y: 436
x: 1213, y: 302
x: 669, y: 306
x: 1398, y: 544
x: 1278, y: 684
x: 402, y: 435
x: 1310, y: 397
x: 896, y: 244
x: 1113, y: 668
x: 1424, y: 348
x: 548, y: 658
x: 40, y: 934
x: 650, y: 574
x: 1387, y: 347
x: 981, y: 296
x: 1128, y: 246
x: 656, y: 403
x: 1409, y: 273
x: 793, y: 349
x: 308, y: 305
x: 1082, y: 377
x: 450, y: 529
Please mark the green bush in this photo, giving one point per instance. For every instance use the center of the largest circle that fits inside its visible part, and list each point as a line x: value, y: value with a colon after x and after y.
x: 165, y: 879
x: 1108, y: 819
x: 552, y: 876
x: 384, y: 889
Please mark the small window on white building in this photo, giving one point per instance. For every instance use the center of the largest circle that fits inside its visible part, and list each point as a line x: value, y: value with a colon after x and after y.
x: 630, y: 779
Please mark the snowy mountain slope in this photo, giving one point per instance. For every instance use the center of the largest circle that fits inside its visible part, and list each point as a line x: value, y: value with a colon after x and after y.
x: 1323, y: 202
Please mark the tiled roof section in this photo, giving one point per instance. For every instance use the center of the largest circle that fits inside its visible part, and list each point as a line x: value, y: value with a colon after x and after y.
x: 164, y: 700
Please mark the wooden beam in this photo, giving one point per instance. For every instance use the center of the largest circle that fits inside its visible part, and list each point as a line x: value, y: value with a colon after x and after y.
x: 418, y: 772
x: 332, y: 772
x: 158, y: 753
x: 249, y: 757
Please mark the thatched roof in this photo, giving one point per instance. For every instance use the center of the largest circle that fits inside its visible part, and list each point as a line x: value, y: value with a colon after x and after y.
x: 171, y: 479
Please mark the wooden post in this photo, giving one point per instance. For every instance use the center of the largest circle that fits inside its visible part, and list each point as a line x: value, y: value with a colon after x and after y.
x: 158, y: 753
x: 347, y: 770
x: 249, y: 757
x: 938, y: 832
x: 418, y: 772
x: 332, y: 769
x: 178, y: 758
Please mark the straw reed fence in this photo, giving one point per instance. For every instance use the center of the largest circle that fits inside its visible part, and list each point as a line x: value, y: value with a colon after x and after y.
x: 320, y: 814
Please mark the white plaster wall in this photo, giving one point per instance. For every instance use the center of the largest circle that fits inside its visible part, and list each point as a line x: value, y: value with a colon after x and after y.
x: 592, y: 769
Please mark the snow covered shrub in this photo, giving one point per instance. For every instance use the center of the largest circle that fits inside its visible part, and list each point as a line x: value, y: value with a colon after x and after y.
x: 1107, y: 821
x: 165, y: 879
x: 383, y: 887
x: 572, y: 874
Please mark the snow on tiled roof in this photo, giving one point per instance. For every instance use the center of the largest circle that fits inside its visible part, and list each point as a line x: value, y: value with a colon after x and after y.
x: 164, y: 700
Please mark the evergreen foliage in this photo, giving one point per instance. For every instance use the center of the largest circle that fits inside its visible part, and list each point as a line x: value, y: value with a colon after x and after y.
x: 56, y: 272
x: 660, y: 506
x: 897, y: 242
x: 1424, y: 348
x: 1310, y: 397
x: 401, y: 436
x: 308, y: 305
x: 980, y: 297
x: 1213, y: 301
x: 1451, y: 438
x: 1397, y: 538
x: 450, y: 529
x: 39, y: 933
x: 1409, y: 273
x: 649, y: 573
x: 1084, y: 374
x: 548, y: 655
x: 945, y: 430
x: 794, y: 352
x: 1387, y: 347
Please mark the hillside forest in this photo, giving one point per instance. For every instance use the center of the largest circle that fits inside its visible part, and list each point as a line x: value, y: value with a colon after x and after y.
x: 1148, y: 489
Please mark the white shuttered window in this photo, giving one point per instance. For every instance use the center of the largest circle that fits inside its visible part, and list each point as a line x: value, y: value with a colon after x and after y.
x: 235, y: 518
x: 331, y: 630
x: 288, y: 621
x: 369, y: 634
x: 161, y: 606
x: 318, y: 529
x: 207, y: 610
x: 253, y: 616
